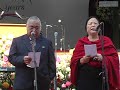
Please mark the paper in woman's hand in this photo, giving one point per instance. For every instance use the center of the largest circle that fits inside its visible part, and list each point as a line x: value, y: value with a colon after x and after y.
x: 37, y: 59
x: 90, y: 50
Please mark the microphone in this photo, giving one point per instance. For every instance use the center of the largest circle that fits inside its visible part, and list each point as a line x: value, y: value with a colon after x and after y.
x: 99, y: 27
x: 32, y: 33
x: 55, y: 34
x: 33, y: 40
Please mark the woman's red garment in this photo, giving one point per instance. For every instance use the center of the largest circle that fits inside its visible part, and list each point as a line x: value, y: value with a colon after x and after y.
x: 110, y: 57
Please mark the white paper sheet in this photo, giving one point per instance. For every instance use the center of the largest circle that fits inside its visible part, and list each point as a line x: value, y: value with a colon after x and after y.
x: 90, y: 50
x: 37, y: 59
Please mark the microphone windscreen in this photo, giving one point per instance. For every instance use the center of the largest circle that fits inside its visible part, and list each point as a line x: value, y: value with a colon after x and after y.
x: 32, y: 33
x: 99, y: 26
x: 55, y: 33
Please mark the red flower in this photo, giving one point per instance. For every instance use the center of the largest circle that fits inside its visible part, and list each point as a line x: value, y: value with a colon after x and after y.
x: 10, y: 88
x: 63, y: 85
x: 68, y: 83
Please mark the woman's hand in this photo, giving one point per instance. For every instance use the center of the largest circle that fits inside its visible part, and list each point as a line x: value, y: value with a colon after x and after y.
x: 98, y: 57
x: 85, y: 59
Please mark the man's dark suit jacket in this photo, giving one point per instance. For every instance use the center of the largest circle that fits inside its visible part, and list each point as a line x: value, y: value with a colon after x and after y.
x: 24, y: 76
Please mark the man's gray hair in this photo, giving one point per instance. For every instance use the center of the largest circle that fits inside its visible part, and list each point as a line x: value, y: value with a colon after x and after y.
x: 35, y: 18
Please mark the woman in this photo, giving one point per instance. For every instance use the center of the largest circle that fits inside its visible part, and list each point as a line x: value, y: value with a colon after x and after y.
x: 87, y: 71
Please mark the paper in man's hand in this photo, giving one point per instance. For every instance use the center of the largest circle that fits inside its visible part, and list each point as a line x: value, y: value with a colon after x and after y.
x: 90, y: 50
x: 37, y: 59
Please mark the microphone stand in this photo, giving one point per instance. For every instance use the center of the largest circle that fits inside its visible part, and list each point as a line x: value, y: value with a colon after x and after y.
x: 55, y: 79
x: 105, y: 85
x: 35, y: 68
x: 63, y: 36
x: 46, y: 31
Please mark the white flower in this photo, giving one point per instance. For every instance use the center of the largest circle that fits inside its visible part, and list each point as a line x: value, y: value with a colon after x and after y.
x: 61, y: 75
x: 58, y: 88
x: 68, y: 69
x: 3, y: 37
x: 10, y: 36
x: 6, y: 52
x: 1, y: 42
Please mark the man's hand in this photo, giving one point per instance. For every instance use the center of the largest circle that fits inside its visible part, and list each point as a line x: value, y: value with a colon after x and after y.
x: 27, y: 59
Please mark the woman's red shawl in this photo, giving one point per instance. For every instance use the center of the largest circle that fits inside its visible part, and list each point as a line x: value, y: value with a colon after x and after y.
x: 110, y: 57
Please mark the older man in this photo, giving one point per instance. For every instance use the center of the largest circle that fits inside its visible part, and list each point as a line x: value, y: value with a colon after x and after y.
x: 18, y: 56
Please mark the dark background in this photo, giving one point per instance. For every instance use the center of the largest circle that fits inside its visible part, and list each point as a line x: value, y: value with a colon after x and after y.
x: 72, y: 13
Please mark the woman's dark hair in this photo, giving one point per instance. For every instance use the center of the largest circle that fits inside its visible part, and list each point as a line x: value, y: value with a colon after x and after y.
x: 89, y: 19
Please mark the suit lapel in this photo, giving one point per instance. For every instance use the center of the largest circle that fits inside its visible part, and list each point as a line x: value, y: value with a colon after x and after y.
x: 38, y: 43
x: 26, y: 42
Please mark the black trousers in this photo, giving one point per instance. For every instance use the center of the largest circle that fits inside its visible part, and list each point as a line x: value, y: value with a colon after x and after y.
x: 31, y: 88
x: 43, y: 84
x: 89, y: 78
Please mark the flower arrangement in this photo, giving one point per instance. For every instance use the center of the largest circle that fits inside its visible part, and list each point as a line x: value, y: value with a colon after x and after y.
x: 5, y: 43
x: 6, y: 81
x: 5, y: 78
x: 63, y: 71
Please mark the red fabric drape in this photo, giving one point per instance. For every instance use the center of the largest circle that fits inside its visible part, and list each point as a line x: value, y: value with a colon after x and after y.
x: 110, y: 57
